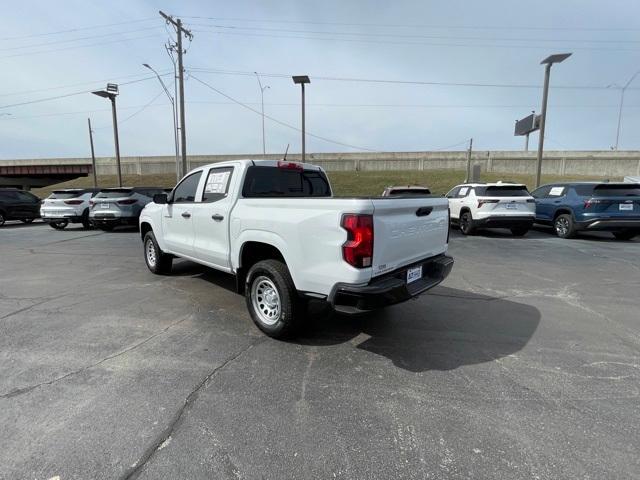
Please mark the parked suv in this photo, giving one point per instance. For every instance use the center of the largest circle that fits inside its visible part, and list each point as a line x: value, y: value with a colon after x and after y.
x: 590, y: 206
x: 119, y: 206
x: 18, y: 205
x: 492, y: 205
x: 66, y: 206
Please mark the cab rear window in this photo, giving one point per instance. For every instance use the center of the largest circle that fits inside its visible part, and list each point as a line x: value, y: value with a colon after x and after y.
x: 285, y: 182
x: 502, y: 191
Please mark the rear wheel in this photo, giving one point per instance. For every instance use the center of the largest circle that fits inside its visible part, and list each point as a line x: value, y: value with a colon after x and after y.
x: 466, y: 223
x: 564, y: 226
x: 272, y: 298
x: 157, y: 261
x: 59, y: 225
x: 625, y: 235
x: 2, y: 220
x: 519, y: 231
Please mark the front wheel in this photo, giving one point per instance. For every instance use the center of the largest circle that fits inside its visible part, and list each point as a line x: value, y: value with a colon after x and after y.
x: 564, y: 226
x: 466, y: 224
x: 59, y: 225
x: 272, y: 298
x: 624, y: 235
x: 157, y: 261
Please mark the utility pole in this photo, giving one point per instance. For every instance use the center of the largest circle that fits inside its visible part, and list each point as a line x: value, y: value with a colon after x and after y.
x: 469, y: 160
x: 262, y: 89
x: 93, y: 154
x: 301, y: 80
x: 180, y: 30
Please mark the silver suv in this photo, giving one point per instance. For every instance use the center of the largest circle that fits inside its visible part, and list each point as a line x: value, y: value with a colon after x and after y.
x: 66, y: 206
x: 120, y: 206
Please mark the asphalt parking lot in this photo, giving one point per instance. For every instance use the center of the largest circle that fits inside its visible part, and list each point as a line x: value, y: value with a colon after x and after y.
x: 525, y: 363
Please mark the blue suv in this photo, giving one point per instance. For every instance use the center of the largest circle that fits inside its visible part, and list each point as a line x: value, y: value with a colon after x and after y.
x: 590, y: 206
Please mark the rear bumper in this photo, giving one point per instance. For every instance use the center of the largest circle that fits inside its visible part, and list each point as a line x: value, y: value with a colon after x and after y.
x: 111, y: 219
x: 505, y: 221
x: 609, y: 224
x: 59, y: 218
x: 390, y: 288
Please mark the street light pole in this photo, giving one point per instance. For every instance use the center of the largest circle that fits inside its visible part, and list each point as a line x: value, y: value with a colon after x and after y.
x: 302, y: 80
x: 262, y: 89
x: 557, y: 58
x: 111, y: 93
x: 93, y: 154
x: 621, y: 103
x: 175, y: 126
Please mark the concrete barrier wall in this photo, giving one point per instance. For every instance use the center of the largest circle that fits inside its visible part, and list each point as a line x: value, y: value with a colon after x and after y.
x: 597, y: 163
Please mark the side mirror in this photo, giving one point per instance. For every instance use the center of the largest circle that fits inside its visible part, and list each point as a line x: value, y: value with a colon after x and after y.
x: 160, y: 198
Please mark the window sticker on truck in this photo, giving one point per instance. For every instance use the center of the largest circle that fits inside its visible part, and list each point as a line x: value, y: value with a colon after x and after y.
x: 217, y: 182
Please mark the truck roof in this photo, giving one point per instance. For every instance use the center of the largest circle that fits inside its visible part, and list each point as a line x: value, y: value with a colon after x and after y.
x: 264, y: 163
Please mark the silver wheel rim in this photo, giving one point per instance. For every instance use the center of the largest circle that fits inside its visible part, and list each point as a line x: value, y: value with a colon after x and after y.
x: 266, y: 300
x: 562, y: 226
x: 150, y: 250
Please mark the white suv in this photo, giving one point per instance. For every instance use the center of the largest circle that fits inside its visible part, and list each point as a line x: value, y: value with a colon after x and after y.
x: 492, y: 205
x: 66, y: 206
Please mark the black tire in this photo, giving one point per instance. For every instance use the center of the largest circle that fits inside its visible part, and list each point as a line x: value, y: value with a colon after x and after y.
x: 624, y: 235
x: 466, y: 223
x: 86, y: 223
x: 564, y: 226
x: 284, y: 323
x: 59, y: 225
x: 519, y: 231
x: 2, y: 219
x: 26, y: 220
x: 157, y: 261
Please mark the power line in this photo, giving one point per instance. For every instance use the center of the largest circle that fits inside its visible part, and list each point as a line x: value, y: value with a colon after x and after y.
x: 279, y: 121
x: 79, y: 29
x: 40, y: 100
x: 428, y: 44
x: 89, y: 37
x: 24, y: 54
x: 434, y: 26
x: 406, y: 82
x: 397, y: 35
x: 144, y: 107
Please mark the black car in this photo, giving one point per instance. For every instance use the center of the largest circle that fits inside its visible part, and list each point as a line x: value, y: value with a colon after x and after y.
x: 18, y: 205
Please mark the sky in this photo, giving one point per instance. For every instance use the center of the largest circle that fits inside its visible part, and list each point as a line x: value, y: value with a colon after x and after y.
x: 385, y: 76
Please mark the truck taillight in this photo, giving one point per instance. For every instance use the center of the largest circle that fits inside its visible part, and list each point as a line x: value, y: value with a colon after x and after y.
x: 483, y: 202
x: 358, y: 249
x: 290, y: 165
x: 73, y: 202
x: 129, y: 201
x: 448, y: 223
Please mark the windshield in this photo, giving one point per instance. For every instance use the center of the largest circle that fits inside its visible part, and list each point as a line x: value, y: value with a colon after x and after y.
x: 502, y: 191
x: 285, y: 182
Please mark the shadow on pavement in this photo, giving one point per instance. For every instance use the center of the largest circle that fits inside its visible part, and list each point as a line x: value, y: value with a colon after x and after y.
x: 442, y: 330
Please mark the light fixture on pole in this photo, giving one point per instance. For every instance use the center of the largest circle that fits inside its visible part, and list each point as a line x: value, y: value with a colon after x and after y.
x: 302, y: 80
x: 622, y: 90
x: 550, y: 60
x: 111, y: 93
x: 179, y: 173
x: 262, y: 89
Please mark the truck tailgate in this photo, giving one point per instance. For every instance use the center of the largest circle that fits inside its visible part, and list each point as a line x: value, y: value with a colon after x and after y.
x: 407, y: 230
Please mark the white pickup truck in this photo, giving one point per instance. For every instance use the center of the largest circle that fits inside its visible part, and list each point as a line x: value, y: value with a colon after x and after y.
x: 276, y: 226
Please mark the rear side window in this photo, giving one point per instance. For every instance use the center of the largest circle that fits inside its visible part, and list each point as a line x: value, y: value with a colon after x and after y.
x: 62, y: 195
x: 583, y: 190
x: 502, y: 191
x: 115, y: 193
x: 217, y: 185
x: 185, y: 192
x: 285, y: 182
x: 631, y: 190
x: 453, y: 192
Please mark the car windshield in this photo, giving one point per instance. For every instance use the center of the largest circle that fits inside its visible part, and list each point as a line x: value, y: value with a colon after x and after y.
x: 502, y: 191
x: 115, y: 193
x: 285, y: 182
x: 612, y: 190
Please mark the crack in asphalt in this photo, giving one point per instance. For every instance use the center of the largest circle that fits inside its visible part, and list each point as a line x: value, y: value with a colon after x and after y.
x: 134, y: 471
x: 22, y: 390
x: 29, y: 307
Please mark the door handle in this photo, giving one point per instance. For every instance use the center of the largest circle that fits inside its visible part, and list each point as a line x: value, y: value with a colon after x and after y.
x: 217, y: 217
x: 424, y: 211
x: 186, y: 215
